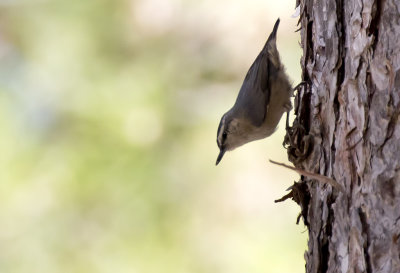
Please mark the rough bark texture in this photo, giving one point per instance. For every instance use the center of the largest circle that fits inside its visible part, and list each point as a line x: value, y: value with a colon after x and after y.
x: 347, y: 127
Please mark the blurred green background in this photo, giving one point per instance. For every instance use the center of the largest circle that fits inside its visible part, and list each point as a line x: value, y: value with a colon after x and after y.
x: 108, y: 118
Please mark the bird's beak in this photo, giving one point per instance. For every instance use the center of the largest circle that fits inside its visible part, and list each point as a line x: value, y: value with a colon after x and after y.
x: 221, y: 154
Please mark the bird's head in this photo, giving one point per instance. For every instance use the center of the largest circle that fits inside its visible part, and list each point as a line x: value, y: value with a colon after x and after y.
x: 232, y: 133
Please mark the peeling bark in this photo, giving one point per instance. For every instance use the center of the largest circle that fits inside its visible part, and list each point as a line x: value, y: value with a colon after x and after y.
x: 347, y: 127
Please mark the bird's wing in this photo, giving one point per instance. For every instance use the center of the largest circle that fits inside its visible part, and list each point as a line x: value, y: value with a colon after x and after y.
x: 255, y: 92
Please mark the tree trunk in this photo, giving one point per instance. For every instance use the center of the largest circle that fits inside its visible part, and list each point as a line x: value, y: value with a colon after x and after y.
x: 347, y: 128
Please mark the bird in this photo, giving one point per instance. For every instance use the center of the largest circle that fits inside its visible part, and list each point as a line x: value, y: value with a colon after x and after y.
x: 263, y: 98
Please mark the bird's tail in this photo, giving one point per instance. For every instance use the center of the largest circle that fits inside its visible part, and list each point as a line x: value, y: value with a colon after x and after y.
x: 274, y: 31
x: 270, y: 47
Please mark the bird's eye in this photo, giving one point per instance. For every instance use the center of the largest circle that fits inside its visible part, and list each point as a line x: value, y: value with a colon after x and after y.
x: 224, y: 135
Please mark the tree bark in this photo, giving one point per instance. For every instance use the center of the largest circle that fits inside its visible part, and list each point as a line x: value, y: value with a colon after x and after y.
x: 347, y: 128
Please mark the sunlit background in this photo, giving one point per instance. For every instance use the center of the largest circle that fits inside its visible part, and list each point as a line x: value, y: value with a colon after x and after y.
x: 108, y: 119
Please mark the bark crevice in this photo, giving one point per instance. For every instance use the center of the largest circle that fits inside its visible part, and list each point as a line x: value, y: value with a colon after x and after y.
x: 367, y: 240
x: 376, y: 14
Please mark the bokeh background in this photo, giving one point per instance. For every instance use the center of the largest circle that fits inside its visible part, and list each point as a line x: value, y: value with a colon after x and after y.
x: 108, y: 118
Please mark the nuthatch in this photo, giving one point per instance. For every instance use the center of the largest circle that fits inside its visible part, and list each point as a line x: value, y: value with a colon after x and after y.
x: 263, y: 98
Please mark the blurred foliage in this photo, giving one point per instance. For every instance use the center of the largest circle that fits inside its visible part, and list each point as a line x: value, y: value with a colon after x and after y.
x: 108, y: 115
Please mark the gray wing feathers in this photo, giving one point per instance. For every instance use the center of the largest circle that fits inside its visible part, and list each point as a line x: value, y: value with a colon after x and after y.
x: 255, y: 92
